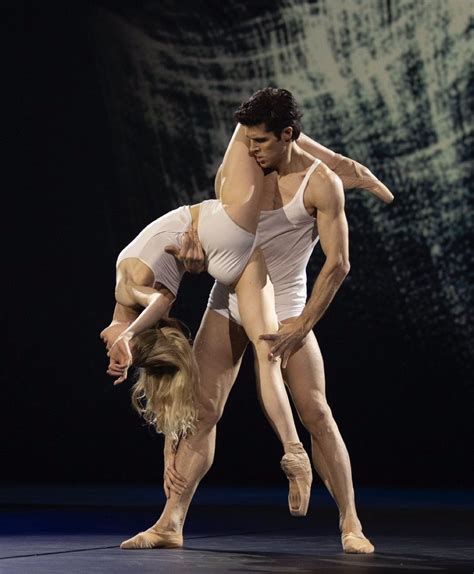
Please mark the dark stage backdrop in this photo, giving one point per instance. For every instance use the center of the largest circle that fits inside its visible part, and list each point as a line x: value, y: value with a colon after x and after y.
x: 128, y: 113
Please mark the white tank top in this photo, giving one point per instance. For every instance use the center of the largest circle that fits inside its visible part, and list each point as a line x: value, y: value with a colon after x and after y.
x: 287, y: 237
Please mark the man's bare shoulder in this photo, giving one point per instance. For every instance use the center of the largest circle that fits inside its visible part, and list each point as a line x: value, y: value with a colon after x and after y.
x: 324, y: 186
x: 323, y: 176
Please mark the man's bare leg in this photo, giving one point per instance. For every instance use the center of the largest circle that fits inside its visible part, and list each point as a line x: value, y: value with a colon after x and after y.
x: 219, y: 347
x: 305, y: 378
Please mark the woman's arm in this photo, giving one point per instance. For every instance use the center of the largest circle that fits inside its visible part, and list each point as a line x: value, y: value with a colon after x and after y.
x: 156, y: 305
x: 121, y: 319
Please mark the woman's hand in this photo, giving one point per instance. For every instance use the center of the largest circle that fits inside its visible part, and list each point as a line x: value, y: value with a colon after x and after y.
x: 114, y: 330
x: 172, y: 480
x: 120, y: 358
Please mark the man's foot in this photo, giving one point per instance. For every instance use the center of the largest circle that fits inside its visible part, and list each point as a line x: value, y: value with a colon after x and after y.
x: 153, y: 539
x: 354, y: 174
x: 356, y: 543
x: 295, y: 464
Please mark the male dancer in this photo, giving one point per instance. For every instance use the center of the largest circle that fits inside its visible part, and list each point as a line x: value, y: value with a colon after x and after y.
x: 303, y: 198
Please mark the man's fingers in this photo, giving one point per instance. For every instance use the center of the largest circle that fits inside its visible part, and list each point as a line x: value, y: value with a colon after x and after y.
x: 270, y: 336
x: 276, y: 351
x: 284, y: 360
x: 173, y: 249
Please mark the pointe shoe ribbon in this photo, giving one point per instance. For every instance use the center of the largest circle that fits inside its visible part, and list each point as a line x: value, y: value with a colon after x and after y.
x: 353, y: 174
x: 356, y: 544
x: 153, y: 539
x: 297, y: 467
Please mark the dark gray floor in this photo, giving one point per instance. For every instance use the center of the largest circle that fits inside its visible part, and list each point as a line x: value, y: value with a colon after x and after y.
x: 67, y: 531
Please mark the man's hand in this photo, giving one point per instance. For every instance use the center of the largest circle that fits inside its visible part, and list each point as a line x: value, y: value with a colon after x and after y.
x: 120, y: 359
x: 191, y: 253
x: 288, y: 340
x: 172, y: 480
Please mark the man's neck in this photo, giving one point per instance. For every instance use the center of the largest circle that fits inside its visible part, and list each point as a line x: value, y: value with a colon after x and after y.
x: 294, y: 160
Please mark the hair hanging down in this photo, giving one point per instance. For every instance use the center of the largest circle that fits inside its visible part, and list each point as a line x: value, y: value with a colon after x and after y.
x: 274, y: 107
x: 166, y: 388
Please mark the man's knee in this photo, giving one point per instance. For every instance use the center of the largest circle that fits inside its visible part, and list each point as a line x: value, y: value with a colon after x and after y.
x: 316, y: 416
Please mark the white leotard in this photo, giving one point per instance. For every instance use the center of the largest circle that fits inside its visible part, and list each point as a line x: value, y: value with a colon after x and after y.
x: 149, y: 247
x: 228, y: 247
x: 287, y: 237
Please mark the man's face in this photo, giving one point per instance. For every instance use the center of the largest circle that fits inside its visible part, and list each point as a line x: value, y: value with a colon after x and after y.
x: 265, y: 147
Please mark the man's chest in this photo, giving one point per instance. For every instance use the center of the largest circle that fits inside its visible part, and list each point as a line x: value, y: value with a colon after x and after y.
x: 279, y: 192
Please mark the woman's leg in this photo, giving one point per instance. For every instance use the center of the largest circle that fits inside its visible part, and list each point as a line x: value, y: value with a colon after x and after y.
x: 352, y: 173
x: 257, y: 311
x: 241, y: 182
x: 219, y: 347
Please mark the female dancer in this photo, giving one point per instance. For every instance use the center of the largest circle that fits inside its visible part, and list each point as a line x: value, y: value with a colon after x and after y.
x: 149, y: 277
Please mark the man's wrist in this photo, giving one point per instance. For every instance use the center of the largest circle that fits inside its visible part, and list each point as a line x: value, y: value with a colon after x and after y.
x: 306, y: 323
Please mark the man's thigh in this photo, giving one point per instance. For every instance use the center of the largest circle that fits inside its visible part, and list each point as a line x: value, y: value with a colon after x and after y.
x: 218, y: 347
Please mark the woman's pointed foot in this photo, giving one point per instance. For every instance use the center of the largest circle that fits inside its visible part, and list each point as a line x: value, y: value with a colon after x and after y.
x: 297, y: 467
x: 353, y: 174
x: 356, y: 544
x: 153, y: 539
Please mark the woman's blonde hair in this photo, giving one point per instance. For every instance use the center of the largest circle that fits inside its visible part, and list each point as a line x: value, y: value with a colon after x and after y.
x: 165, y: 391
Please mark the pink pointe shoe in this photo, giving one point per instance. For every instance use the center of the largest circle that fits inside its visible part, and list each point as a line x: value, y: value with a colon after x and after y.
x: 295, y: 464
x: 354, y: 174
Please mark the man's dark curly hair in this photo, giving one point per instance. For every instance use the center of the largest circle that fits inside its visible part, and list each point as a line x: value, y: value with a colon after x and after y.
x: 274, y: 107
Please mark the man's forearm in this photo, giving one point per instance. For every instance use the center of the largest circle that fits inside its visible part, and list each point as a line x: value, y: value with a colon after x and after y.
x: 325, y: 288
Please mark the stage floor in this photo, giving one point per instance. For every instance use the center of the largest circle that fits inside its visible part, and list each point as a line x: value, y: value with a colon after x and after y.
x: 77, y: 530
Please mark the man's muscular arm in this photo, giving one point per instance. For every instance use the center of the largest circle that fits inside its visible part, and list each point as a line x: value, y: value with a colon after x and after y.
x: 327, y: 196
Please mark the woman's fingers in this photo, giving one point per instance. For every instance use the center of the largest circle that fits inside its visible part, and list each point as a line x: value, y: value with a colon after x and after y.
x: 175, y: 475
x: 176, y: 478
x: 114, y: 372
x: 176, y: 489
x: 166, y: 486
x: 121, y: 379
